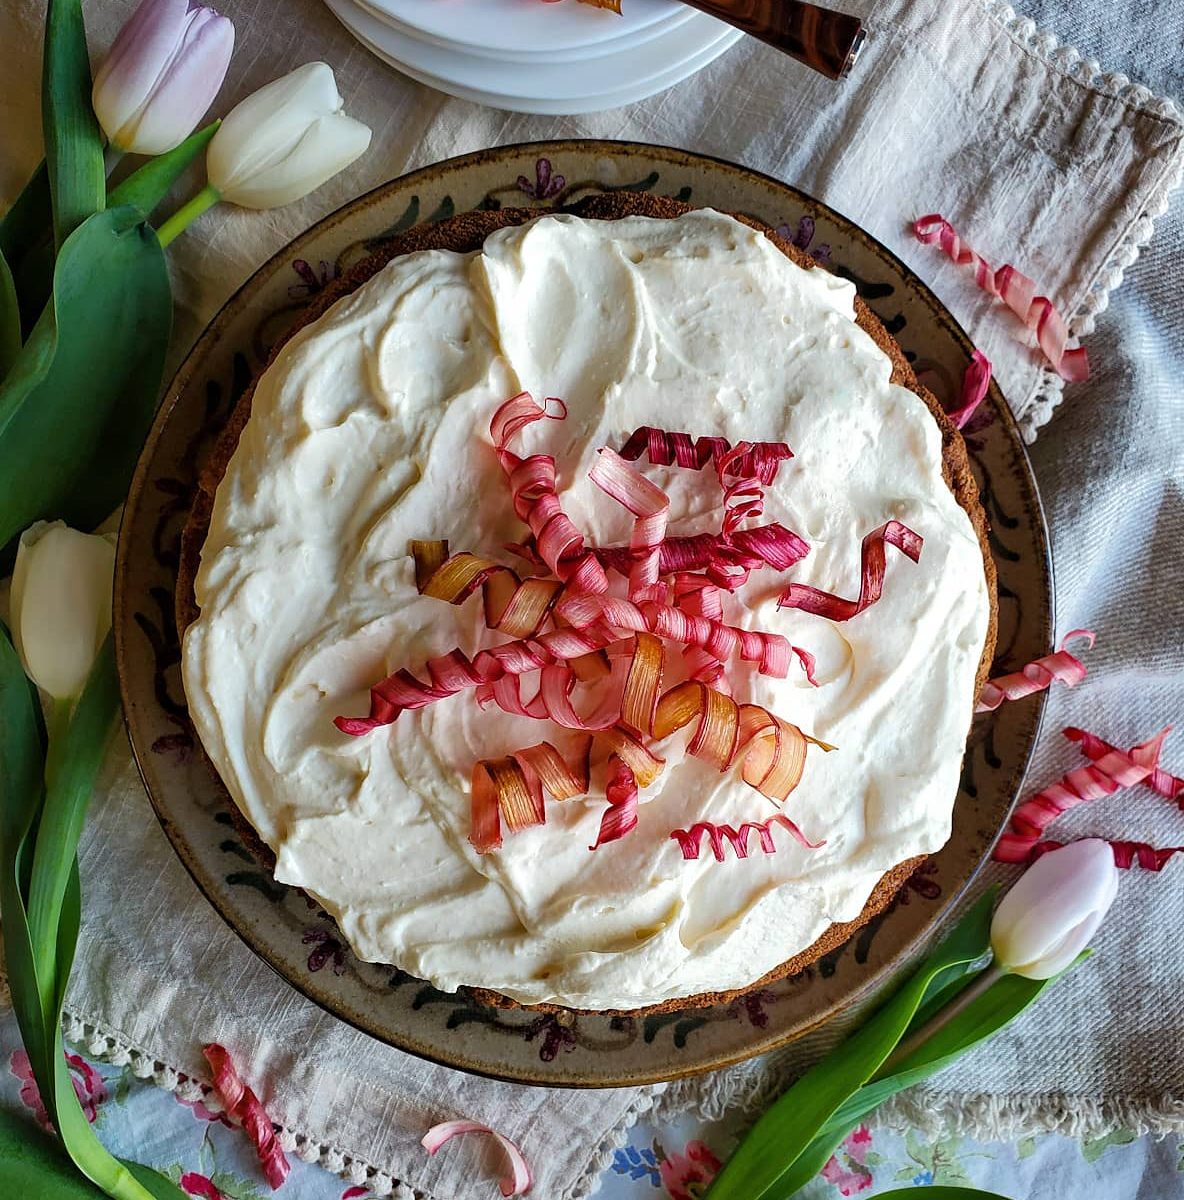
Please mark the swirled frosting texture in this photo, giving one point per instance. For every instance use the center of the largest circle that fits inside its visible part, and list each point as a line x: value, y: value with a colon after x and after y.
x: 371, y: 428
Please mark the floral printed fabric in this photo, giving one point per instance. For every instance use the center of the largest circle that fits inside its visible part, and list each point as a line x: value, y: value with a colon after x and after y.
x: 208, y: 1158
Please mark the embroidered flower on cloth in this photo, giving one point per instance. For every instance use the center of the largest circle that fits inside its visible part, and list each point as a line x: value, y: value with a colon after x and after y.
x: 852, y: 1175
x: 88, y: 1086
x: 200, y: 1185
x: 638, y: 1163
x: 687, y: 1176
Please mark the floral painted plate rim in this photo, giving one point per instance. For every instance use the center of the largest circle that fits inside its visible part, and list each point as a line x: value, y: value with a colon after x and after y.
x: 442, y: 1045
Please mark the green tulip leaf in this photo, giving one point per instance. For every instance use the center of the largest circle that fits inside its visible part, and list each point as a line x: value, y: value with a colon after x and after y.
x: 33, y: 276
x: 765, y: 1156
x: 943, y: 1192
x: 27, y: 221
x: 10, y: 319
x: 81, y: 395
x: 147, y: 187
x: 67, y: 937
x: 75, y: 755
x: 22, y: 760
x: 124, y: 1181
x: 73, y: 139
x: 33, y: 1164
x: 946, y: 990
x: 26, y: 237
x: 158, y: 1186
x: 31, y: 979
x: 26, y: 242
x: 982, y: 1018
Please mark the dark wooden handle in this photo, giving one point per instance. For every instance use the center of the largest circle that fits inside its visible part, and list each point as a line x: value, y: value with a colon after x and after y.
x: 821, y: 38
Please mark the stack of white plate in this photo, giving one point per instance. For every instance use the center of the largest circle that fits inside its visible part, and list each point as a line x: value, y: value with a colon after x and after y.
x: 531, y: 56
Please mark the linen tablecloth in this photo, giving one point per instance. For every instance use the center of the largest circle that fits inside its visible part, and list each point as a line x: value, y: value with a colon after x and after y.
x: 1048, y: 162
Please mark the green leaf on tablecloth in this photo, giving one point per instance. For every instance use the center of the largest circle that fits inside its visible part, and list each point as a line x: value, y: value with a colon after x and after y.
x: 1025, y: 1148
x: 1093, y: 1148
x: 230, y: 1187
x: 233, y: 1187
x: 78, y: 402
x: 760, y: 1167
x: 120, y: 1088
x: 73, y: 139
x: 939, y: 1158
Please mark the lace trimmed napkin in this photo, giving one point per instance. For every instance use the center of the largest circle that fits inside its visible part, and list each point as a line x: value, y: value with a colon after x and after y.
x: 960, y: 108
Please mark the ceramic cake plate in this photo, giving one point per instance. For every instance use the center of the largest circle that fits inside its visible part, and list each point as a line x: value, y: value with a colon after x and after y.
x: 283, y: 925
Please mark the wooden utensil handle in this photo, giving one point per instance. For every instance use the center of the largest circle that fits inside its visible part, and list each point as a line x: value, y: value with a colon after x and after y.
x: 821, y: 38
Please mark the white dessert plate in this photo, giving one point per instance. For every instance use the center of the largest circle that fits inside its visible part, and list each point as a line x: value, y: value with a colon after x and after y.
x: 588, y: 85
x: 496, y: 25
x: 283, y: 925
x: 530, y: 54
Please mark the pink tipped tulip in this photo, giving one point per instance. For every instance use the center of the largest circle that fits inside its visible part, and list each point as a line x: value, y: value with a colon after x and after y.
x: 162, y: 73
x: 1049, y: 916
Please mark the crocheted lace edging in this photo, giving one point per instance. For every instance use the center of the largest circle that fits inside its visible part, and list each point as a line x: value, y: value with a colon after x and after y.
x: 1037, y: 408
x: 117, y: 1050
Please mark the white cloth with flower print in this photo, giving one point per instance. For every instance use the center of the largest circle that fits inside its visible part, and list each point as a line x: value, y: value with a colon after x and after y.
x: 672, y: 1160
x: 1041, y: 159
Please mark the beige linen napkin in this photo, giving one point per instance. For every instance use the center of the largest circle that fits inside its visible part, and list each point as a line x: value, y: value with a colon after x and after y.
x: 960, y: 108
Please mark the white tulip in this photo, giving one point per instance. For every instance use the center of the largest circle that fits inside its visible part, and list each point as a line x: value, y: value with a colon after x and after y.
x: 61, y: 605
x: 283, y: 141
x: 1049, y: 916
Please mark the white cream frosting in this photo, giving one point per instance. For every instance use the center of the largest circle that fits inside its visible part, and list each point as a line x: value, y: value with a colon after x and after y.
x: 372, y: 428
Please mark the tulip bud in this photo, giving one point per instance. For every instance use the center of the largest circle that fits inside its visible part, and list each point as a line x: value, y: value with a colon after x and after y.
x: 283, y: 141
x: 61, y: 605
x: 162, y: 73
x: 1049, y: 916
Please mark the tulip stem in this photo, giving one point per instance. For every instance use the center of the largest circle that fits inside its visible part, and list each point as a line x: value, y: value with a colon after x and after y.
x: 941, y: 1018
x: 45, y: 898
x: 187, y: 213
x: 57, y: 726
